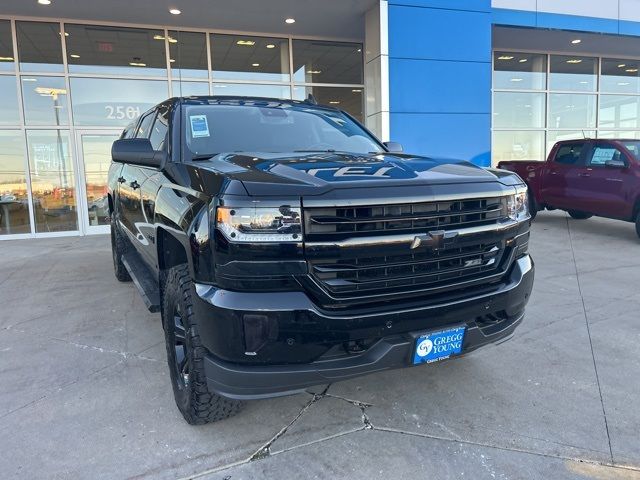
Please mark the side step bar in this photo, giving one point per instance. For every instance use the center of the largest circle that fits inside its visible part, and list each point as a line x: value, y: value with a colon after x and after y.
x: 144, y: 281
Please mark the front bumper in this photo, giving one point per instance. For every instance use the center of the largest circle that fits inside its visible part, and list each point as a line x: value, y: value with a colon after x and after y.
x: 394, y: 333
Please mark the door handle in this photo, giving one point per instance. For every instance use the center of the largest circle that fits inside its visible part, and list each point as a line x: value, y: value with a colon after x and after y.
x: 121, y: 179
x: 584, y: 174
x: 135, y: 185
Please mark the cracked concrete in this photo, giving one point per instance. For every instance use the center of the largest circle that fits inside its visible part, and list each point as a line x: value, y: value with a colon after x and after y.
x: 86, y: 389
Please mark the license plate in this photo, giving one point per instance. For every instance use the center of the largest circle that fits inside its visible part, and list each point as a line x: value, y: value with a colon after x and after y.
x: 439, y: 345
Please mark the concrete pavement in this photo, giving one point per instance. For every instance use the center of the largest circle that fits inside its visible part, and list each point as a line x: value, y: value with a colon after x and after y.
x: 86, y: 393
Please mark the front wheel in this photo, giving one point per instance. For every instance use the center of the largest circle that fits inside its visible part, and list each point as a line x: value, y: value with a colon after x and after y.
x: 579, y: 215
x: 185, y: 354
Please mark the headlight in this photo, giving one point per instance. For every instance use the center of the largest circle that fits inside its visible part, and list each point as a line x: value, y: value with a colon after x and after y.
x: 260, y: 224
x: 518, y: 205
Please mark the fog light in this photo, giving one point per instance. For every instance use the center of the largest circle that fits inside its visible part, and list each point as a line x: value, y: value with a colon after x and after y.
x: 258, y: 330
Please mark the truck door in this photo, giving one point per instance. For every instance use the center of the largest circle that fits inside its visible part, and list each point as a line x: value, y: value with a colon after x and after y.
x: 605, y: 186
x: 563, y: 174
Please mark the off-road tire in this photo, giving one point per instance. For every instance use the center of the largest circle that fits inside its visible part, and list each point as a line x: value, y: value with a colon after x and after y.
x: 195, y: 401
x: 533, y: 206
x: 577, y: 215
x: 118, y: 248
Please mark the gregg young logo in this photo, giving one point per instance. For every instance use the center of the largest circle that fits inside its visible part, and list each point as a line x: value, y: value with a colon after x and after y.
x: 424, y: 347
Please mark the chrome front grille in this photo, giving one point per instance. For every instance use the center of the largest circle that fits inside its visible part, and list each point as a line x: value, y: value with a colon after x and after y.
x: 349, y: 254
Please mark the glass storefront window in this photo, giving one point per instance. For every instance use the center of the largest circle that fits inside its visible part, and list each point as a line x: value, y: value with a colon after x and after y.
x: 554, y: 136
x: 252, y: 90
x: 52, y: 180
x: 327, y: 62
x: 96, y: 153
x: 45, y: 100
x: 14, y: 199
x: 635, y: 134
x: 187, y: 89
x: 39, y: 46
x: 573, y: 73
x: 519, y: 71
x: 620, y: 76
x: 6, y: 47
x: 113, y: 102
x: 518, y: 110
x: 348, y: 99
x: 619, y: 111
x: 8, y: 101
x: 188, y: 55
x: 518, y: 145
x: 569, y: 110
x: 242, y: 57
x: 115, y: 50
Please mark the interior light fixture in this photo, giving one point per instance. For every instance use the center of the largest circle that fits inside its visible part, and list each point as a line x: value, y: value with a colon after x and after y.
x: 290, y: 20
x: 574, y: 60
x: 522, y: 60
x: 314, y: 72
x: 174, y: 11
x: 356, y: 90
x: 137, y: 64
x: 334, y: 102
x: 158, y: 37
x: 171, y: 60
x: 271, y: 45
x: 74, y: 55
x: 6, y: 59
x: 248, y: 43
x: 255, y: 64
x: 505, y: 57
x: 65, y: 34
x: 623, y: 84
x: 631, y: 70
x: 576, y: 41
x: 29, y: 79
x: 172, y: 40
x: 44, y: 2
x: 516, y: 79
x: 622, y: 65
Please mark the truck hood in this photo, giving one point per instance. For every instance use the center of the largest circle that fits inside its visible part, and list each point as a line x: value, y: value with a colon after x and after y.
x: 316, y: 173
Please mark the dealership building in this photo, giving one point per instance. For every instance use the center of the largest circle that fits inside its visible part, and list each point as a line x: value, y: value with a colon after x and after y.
x: 481, y: 80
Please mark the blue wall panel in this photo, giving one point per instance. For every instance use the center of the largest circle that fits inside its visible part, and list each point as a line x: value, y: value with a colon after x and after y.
x: 444, y: 135
x: 439, y: 86
x: 440, y: 77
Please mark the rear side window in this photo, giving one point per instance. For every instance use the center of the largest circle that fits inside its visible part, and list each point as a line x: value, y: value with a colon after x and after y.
x: 569, y: 154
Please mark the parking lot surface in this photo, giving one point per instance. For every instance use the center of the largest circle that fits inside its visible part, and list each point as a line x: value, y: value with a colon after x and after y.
x: 86, y: 393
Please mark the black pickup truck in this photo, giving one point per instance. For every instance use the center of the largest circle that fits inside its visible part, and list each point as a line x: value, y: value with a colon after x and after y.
x: 285, y: 247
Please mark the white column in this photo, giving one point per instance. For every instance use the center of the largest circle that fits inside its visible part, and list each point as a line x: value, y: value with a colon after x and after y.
x: 376, y: 70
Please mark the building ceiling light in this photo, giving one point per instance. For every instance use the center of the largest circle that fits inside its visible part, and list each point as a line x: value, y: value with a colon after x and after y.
x: 334, y: 102
x: 574, y: 60
x: 314, y: 72
x: 623, y: 84
x: 576, y: 41
x: 74, y: 55
x: 29, y: 79
x: 271, y: 45
x: 137, y: 64
x: 6, y: 59
x: 584, y: 82
x: 516, y: 79
x: 248, y: 43
x: 631, y: 70
x: 44, y: 2
x: 522, y: 60
x: 65, y: 34
x: 357, y: 90
x: 255, y: 64
x: 158, y: 37
x: 622, y: 65
x: 290, y: 20
x: 171, y: 60
x: 174, y: 11
x: 505, y: 57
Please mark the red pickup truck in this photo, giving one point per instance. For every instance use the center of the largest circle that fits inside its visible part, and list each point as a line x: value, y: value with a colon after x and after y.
x: 585, y: 177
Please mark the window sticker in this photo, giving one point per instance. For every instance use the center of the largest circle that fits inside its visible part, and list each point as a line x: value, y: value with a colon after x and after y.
x: 602, y: 155
x: 199, y: 126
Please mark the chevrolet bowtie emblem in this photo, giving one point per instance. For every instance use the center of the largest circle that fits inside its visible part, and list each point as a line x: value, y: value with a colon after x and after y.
x: 435, y: 240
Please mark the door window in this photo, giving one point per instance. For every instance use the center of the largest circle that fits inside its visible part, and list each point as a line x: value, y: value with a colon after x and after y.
x: 569, y: 154
x: 160, y: 129
x: 603, y: 154
x: 144, y: 129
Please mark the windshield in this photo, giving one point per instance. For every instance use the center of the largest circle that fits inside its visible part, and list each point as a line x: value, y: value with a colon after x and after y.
x: 278, y: 128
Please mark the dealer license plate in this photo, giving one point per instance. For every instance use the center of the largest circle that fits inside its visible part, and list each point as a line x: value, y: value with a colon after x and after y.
x: 439, y: 345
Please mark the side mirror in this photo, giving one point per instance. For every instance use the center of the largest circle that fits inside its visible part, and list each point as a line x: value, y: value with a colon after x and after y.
x: 615, y: 164
x: 393, y: 147
x: 137, y: 151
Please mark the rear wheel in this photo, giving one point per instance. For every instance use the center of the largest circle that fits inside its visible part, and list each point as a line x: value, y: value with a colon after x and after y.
x: 185, y: 354
x: 118, y: 248
x: 579, y: 215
